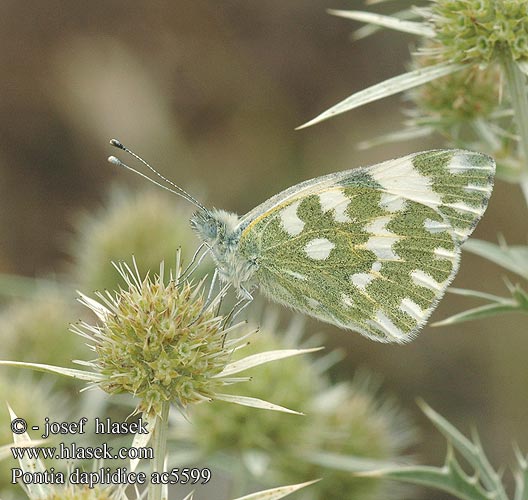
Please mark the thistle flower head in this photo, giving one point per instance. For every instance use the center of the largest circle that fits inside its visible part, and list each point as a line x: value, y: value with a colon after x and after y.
x: 30, y: 325
x: 463, y: 96
x: 479, y: 31
x: 158, y: 340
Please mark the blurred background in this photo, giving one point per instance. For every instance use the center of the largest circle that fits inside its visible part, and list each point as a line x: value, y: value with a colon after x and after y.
x: 210, y: 93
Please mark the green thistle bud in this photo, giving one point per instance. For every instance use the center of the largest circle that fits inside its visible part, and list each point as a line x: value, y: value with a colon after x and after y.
x: 30, y: 326
x: 479, y: 31
x: 158, y: 341
x: 463, y: 96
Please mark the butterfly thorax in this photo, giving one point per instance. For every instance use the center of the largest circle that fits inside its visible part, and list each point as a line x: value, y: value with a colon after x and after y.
x: 220, y: 231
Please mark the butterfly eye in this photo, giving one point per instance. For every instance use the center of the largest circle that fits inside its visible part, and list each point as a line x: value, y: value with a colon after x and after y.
x: 211, y: 230
x: 205, y: 225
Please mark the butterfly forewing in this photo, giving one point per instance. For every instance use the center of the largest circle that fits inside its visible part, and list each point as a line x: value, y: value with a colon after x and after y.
x: 456, y: 183
x: 370, y: 249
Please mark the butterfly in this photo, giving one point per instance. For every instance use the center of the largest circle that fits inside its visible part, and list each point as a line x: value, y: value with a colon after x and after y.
x: 370, y: 249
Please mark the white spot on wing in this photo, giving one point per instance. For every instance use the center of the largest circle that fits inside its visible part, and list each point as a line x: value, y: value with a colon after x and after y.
x: 290, y: 220
x: 378, y: 226
x: 336, y: 200
x: 464, y: 207
x: 314, y: 304
x: 295, y: 274
x: 376, y: 267
x: 319, y: 248
x: 381, y: 246
x: 434, y: 226
x: 399, y: 177
x: 462, y: 163
x: 422, y: 279
x: 478, y: 189
x: 444, y: 253
x: 462, y: 234
x: 412, y: 309
x: 381, y: 241
x: 385, y: 324
x: 347, y: 300
x: 361, y: 280
x: 392, y: 202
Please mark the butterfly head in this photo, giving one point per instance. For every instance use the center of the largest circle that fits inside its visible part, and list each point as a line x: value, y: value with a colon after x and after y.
x: 216, y: 227
x: 221, y: 232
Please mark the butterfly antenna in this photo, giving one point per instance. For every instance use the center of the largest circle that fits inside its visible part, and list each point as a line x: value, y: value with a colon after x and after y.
x: 179, y: 191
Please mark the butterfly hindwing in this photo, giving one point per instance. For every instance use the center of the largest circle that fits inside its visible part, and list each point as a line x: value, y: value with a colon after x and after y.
x: 370, y: 249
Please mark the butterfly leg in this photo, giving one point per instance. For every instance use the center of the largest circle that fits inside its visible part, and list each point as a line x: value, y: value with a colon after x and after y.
x: 192, y: 266
x: 211, y: 287
x: 237, y: 309
x: 240, y: 309
x: 193, y: 260
x: 244, y: 293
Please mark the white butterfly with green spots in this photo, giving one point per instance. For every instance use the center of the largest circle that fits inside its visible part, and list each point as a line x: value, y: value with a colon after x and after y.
x: 370, y: 249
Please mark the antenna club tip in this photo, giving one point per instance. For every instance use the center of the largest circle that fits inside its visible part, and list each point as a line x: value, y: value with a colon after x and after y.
x: 114, y: 160
x: 116, y: 143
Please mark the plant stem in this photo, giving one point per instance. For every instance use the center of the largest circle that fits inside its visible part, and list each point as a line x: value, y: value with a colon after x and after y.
x: 159, y: 446
x: 517, y: 84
